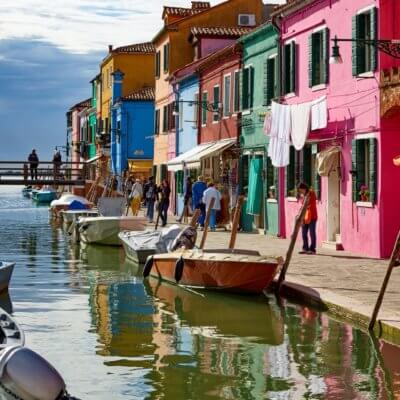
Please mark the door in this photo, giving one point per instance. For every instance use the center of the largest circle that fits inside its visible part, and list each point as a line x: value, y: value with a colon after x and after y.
x: 271, y: 198
x: 333, y: 206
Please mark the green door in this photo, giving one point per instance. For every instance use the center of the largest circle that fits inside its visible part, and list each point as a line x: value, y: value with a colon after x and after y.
x: 271, y: 198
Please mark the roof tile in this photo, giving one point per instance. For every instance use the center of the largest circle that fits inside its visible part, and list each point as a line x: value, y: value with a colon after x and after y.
x: 138, y: 48
x: 144, y: 94
x: 234, y: 31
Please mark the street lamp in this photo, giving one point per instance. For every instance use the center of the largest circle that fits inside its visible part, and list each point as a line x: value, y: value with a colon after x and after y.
x: 389, y: 47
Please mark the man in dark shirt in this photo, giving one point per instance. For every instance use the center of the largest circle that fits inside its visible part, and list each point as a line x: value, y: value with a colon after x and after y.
x: 33, y: 164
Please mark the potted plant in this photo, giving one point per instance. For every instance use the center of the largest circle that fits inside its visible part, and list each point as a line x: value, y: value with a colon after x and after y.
x: 364, y: 193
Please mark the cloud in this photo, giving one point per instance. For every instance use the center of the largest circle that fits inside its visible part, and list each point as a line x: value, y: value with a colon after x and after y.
x: 82, y: 26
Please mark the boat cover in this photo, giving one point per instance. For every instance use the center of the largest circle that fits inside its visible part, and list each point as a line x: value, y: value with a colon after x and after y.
x: 66, y: 199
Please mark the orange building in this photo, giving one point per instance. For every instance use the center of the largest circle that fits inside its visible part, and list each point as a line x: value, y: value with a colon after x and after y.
x: 173, y: 51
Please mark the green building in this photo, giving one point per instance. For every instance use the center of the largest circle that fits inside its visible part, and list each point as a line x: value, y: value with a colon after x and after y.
x: 259, y: 85
x: 92, y: 117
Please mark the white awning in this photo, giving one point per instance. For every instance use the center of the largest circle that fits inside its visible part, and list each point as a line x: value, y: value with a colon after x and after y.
x: 214, y: 149
x: 177, y: 163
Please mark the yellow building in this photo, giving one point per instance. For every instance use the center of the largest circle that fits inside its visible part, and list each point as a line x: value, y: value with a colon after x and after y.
x: 173, y: 51
x: 136, y: 61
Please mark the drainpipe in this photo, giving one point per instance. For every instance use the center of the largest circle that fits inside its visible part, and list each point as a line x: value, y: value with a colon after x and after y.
x: 281, y: 171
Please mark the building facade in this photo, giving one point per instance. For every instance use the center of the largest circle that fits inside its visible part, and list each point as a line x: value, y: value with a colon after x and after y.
x: 356, y: 200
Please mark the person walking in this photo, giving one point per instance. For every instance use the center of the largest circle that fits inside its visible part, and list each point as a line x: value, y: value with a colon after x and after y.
x: 310, y: 220
x: 57, y: 161
x: 209, y: 194
x: 165, y: 192
x: 198, y: 190
x: 136, y: 197
x: 150, y: 191
x: 186, y: 199
x: 33, y: 164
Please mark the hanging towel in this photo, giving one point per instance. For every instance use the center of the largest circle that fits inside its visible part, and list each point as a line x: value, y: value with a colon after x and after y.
x: 255, y: 192
x: 300, y: 124
x: 279, y: 143
x: 319, y: 114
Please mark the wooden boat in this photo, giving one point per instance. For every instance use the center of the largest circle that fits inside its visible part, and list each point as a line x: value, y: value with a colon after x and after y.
x: 44, y: 196
x: 10, y: 332
x: 6, y: 270
x: 225, y: 271
x: 222, y: 314
x: 140, y: 245
x: 105, y: 230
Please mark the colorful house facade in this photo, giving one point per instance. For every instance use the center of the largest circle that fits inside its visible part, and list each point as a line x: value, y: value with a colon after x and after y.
x: 132, y: 122
x: 260, y: 64
x: 174, y: 50
x: 357, y: 200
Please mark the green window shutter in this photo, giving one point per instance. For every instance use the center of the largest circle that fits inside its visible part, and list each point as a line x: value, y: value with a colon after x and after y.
x: 216, y: 99
x: 179, y: 181
x: 204, y: 109
x: 293, y: 67
x: 286, y: 56
x: 306, y: 165
x: 266, y: 83
x: 317, y: 178
x: 245, y: 89
x: 310, y: 62
x: 325, y: 55
x: 251, y: 89
x: 374, y: 36
x: 361, y: 178
x: 269, y: 174
x: 373, y: 171
x: 354, y: 169
x: 354, y: 56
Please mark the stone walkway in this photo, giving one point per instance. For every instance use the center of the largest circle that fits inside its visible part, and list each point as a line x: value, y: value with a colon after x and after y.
x: 346, y: 284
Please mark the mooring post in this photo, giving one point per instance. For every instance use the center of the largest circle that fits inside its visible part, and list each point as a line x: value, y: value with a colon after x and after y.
x: 394, y: 262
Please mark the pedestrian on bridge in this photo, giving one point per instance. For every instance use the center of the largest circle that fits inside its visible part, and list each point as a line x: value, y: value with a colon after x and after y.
x: 57, y: 161
x: 33, y: 164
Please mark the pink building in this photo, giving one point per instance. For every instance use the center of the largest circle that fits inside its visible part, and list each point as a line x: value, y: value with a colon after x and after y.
x: 358, y: 202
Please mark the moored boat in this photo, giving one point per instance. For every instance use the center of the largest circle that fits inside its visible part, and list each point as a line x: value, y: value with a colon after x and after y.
x: 105, y: 230
x: 10, y: 332
x: 44, y: 196
x: 64, y: 202
x: 139, y: 245
x: 69, y: 216
x: 26, y: 191
x: 224, y: 271
x: 6, y: 270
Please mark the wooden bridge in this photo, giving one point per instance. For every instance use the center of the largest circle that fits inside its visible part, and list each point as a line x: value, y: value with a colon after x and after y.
x: 47, y: 173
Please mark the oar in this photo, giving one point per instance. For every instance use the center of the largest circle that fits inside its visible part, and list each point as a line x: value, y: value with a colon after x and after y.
x: 195, y: 218
x: 158, y: 216
x: 394, y: 262
x: 206, y: 223
x: 235, y: 223
x: 297, y: 225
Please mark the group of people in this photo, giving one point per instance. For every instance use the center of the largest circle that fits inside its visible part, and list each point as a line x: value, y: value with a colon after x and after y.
x: 33, y: 160
x: 151, y: 195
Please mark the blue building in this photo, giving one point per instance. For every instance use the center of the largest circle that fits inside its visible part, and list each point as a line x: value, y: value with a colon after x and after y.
x: 187, y: 92
x: 132, y: 126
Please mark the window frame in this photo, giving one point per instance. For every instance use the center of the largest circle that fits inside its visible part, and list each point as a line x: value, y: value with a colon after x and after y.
x: 204, y: 113
x: 158, y: 64
x: 236, y: 92
x: 290, y: 69
x: 215, y: 114
x: 227, y: 105
x: 166, y: 49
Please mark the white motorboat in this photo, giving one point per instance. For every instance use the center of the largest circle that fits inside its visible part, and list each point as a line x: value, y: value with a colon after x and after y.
x: 105, y: 230
x: 69, y: 216
x: 65, y: 201
x: 6, y: 270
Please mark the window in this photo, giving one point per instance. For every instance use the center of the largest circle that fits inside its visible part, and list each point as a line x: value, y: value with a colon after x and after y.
x: 318, y: 65
x: 364, y: 169
x: 270, y: 80
x: 165, y: 119
x: 227, y: 96
x: 157, y: 123
x: 158, y: 64
x: 236, y: 94
x: 302, y: 169
x: 179, y: 182
x: 247, y: 88
x: 216, y: 104
x: 289, y: 56
x: 196, y: 109
x: 171, y: 117
x: 364, y: 57
x: 204, y: 100
x: 166, y: 57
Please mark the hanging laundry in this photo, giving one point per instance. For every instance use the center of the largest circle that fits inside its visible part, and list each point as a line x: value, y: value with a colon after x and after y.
x: 319, y: 114
x: 300, y: 114
x: 279, y: 143
x: 267, y: 123
x: 327, y: 160
x: 255, y: 191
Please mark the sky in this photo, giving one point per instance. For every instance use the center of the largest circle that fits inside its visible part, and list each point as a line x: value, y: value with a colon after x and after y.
x: 49, y: 51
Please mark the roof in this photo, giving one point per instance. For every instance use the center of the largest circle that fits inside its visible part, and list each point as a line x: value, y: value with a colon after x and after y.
x: 291, y: 5
x: 83, y: 104
x: 144, y: 94
x: 138, y: 48
x: 234, y: 31
x: 197, y: 7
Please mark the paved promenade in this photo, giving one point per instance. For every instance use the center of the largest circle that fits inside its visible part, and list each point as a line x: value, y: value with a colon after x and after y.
x: 346, y: 284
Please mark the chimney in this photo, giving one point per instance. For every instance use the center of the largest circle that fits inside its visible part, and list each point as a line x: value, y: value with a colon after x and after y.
x: 110, y: 47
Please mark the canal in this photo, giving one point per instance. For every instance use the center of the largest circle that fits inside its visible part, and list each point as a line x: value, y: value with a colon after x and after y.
x: 113, y: 336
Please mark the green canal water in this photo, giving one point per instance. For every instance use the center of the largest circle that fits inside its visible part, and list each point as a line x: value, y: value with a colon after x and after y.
x: 112, y: 336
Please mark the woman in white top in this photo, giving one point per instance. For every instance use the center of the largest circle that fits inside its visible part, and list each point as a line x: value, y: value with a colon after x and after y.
x: 136, y: 197
x: 210, y: 193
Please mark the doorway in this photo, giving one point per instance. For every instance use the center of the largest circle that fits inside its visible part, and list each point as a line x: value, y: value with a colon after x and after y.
x: 333, y: 202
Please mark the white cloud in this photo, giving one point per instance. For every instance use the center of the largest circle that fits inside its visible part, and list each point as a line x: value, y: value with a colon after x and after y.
x: 81, y: 26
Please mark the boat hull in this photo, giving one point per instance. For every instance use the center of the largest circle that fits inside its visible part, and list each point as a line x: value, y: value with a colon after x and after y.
x: 139, y: 256
x: 44, y: 197
x: 218, y: 271
x: 6, y: 270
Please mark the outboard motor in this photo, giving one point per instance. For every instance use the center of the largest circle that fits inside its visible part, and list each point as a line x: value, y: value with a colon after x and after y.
x: 25, y: 375
x: 186, y: 239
